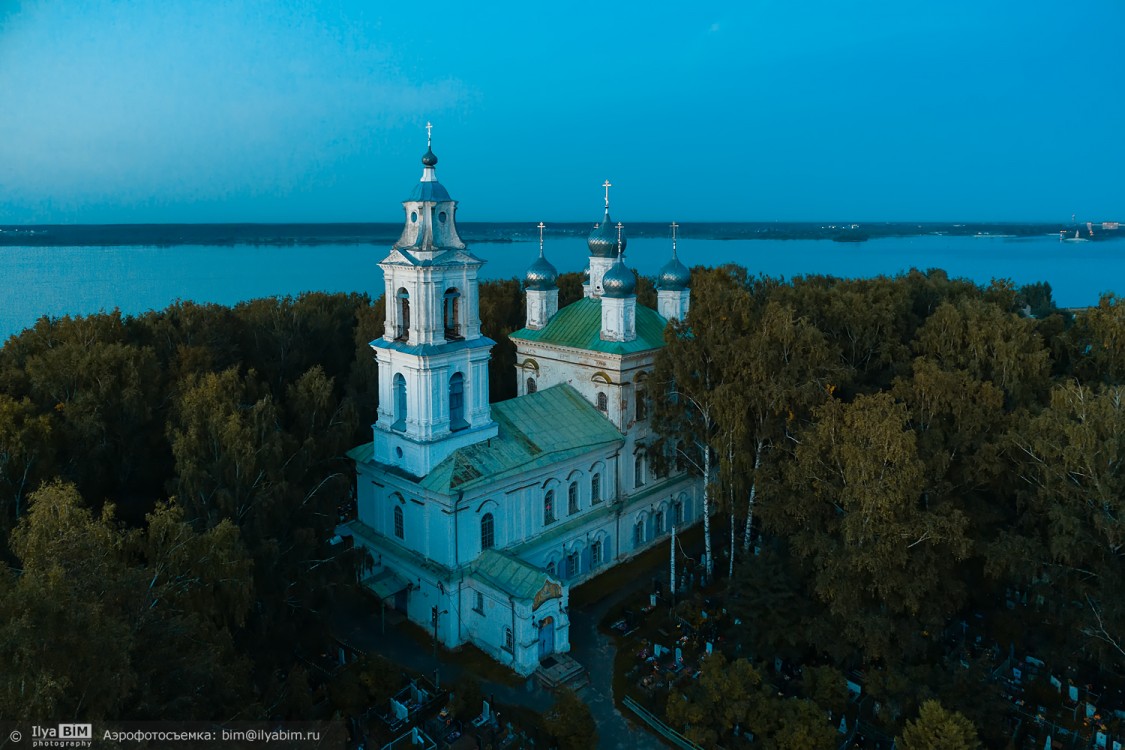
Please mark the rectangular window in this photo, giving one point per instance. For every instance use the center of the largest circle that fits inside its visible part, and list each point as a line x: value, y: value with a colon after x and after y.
x: 478, y: 603
x: 639, y: 471
x: 596, y: 489
x: 639, y: 534
x: 572, y: 498
x: 572, y: 565
x: 659, y: 523
x: 595, y: 554
x: 509, y: 640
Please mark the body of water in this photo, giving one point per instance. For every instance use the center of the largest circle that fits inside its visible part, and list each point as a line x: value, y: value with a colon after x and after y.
x: 66, y: 280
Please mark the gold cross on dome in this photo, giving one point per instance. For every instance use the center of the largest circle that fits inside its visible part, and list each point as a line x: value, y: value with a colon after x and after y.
x: 542, y: 226
x: 620, y: 226
x: 607, y: 185
x: 429, y: 134
x: 675, y: 226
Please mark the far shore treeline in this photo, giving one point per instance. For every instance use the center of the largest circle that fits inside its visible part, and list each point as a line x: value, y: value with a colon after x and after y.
x: 912, y: 450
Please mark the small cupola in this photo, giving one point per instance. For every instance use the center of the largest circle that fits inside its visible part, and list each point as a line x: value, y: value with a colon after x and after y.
x: 542, y: 290
x: 672, y: 294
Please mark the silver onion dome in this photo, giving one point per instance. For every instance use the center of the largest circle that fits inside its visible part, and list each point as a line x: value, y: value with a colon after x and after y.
x: 619, y: 281
x: 603, y: 239
x: 428, y: 158
x: 541, y: 276
x: 673, y: 277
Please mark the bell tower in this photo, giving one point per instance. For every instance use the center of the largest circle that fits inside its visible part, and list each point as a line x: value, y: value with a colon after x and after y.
x: 433, y: 361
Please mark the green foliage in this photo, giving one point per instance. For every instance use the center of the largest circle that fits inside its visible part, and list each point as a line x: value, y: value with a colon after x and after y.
x: 939, y: 729
x: 570, y: 723
x: 103, y: 622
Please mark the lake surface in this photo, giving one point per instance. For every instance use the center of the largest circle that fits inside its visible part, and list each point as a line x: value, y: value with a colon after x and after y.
x: 60, y: 280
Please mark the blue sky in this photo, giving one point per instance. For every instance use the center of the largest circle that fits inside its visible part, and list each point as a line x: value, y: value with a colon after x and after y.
x: 178, y: 111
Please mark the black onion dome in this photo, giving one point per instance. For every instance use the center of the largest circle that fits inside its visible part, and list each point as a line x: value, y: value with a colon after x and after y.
x: 603, y: 239
x: 541, y: 276
x: 673, y: 277
x: 428, y: 158
x: 618, y: 281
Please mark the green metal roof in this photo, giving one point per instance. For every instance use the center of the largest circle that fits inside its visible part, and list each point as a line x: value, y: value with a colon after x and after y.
x: 535, y: 430
x: 509, y: 574
x: 579, y: 326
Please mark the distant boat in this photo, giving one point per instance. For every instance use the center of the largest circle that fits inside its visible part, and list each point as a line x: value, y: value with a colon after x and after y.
x: 1076, y: 238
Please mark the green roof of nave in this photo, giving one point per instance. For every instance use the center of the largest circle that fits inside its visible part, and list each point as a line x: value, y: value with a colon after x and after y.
x: 579, y: 326
x: 535, y: 431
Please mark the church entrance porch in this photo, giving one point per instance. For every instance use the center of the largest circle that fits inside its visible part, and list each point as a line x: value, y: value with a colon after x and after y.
x: 546, y: 638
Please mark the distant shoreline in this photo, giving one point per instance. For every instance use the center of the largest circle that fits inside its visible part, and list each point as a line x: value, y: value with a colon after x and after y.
x: 383, y: 234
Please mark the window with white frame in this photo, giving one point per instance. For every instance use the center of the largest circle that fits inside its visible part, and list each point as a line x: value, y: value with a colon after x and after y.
x: 509, y: 640
x: 596, y: 489
x: 596, y: 554
x: 572, y: 565
x: 487, y: 532
x: 572, y: 498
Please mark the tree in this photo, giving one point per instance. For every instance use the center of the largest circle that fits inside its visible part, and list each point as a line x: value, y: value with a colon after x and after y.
x: 726, y: 695
x: 939, y: 729
x: 881, y: 559
x: 689, y: 371
x: 570, y: 722
x: 1070, y: 459
x: 779, y: 370
x: 799, y: 725
x: 26, y: 455
x: 65, y: 639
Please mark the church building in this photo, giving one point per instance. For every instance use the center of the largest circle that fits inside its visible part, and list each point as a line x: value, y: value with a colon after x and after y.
x: 478, y: 518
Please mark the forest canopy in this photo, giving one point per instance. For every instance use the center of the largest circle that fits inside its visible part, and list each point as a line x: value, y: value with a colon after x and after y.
x: 901, y: 453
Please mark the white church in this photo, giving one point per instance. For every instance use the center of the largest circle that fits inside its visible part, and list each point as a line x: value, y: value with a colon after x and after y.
x: 478, y: 517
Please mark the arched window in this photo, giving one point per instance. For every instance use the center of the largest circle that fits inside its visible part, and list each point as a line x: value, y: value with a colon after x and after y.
x: 399, y: 387
x: 451, y: 313
x: 639, y: 470
x: 639, y: 533
x: 531, y: 385
x: 549, y: 507
x: 641, y: 405
x: 457, y: 402
x: 572, y: 499
x: 403, y: 300
x: 400, y: 530
x: 678, y: 513
x: 551, y: 568
x: 596, y: 489
x: 658, y: 523
x: 487, y: 532
x: 603, y: 402
x: 595, y: 554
